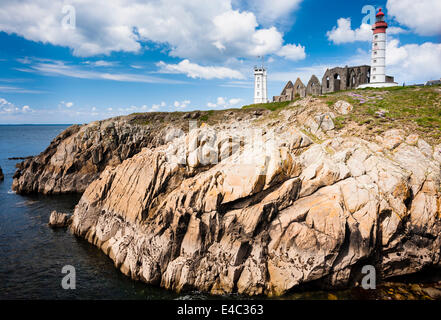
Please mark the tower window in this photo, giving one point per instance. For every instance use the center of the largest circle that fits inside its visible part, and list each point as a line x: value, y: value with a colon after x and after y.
x: 258, y: 86
x: 375, y: 52
x: 375, y: 60
x: 375, y: 70
x: 376, y: 36
x: 373, y: 77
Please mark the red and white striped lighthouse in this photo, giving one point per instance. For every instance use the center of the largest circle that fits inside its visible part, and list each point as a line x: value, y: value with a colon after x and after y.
x: 378, y: 61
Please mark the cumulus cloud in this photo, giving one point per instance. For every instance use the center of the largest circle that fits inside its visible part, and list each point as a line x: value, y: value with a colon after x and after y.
x: 66, y: 104
x: 343, y: 33
x: 103, y: 26
x: 7, y: 107
x: 181, y: 104
x: 222, y: 102
x: 292, y: 52
x: 272, y: 11
x: 422, y: 16
x: 11, y: 113
x: 194, y: 70
x: 409, y: 63
x: 412, y: 63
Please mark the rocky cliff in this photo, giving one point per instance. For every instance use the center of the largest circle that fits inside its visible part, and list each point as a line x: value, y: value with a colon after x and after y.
x: 260, y: 204
x: 79, y: 154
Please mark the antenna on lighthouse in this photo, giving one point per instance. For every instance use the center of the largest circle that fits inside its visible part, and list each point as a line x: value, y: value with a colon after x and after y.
x: 263, y: 59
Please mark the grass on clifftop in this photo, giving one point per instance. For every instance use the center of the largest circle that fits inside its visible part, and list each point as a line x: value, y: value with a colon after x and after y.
x: 273, y: 106
x: 415, y: 109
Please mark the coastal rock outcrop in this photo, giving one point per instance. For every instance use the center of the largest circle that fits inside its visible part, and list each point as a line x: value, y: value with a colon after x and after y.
x: 59, y: 220
x: 264, y: 207
x: 2, y: 177
x: 78, y: 155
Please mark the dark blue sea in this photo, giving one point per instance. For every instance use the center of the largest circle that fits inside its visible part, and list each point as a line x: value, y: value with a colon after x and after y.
x: 32, y: 254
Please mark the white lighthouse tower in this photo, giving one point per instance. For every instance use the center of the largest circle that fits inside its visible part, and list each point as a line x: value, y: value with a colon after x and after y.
x: 260, y: 91
x: 378, y: 76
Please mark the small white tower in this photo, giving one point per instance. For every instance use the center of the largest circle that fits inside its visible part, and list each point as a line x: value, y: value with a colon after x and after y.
x: 260, y: 92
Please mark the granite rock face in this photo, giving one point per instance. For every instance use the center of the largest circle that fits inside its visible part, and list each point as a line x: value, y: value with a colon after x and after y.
x: 264, y: 207
x: 78, y: 155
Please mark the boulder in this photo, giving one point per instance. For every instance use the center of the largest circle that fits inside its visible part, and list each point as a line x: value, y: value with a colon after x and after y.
x: 59, y: 220
x: 343, y: 107
x: 393, y: 138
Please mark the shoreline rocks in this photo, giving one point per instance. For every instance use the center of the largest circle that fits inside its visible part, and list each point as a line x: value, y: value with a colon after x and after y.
x: 59, y: 220
x: 2, y: 177
x: 78, y: 155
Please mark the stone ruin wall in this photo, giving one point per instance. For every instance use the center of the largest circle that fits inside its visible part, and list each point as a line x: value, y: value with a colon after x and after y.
x: 333, y: 80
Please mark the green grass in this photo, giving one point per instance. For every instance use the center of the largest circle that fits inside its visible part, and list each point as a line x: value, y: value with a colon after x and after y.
x: 414, y: 109
x: 273, y: 106
x: 206, y: 116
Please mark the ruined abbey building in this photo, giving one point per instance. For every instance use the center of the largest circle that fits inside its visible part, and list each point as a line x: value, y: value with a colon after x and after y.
x: 333, y: 80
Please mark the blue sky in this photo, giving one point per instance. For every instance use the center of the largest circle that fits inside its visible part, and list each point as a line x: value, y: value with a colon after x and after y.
x: 78, y: 61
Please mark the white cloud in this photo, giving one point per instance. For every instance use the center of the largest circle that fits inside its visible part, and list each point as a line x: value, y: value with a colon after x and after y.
x: 66, y: 104
x: 10, y: 113
x: 14, y: 89
x: 181, y: 104
x: 273, y: 11
x: 60, y: 68
x: 103, y: 26
x: 409, y: 63
x: 194, y: 70
x: 396, y: 30
x: 238, y: 84
x: 222, y: 102
x: 101, y: 63
x: 292, y: 52
x: 422, y: 16
x: 413, y: 63
x: 7, y: 107
x: 344, y: 34
x: 234, y: 101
